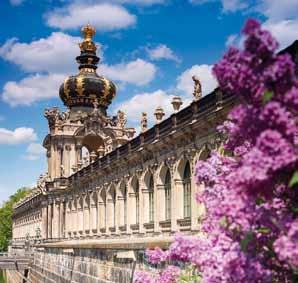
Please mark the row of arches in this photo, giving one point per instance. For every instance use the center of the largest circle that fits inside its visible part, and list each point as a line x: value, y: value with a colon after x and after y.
x: 132, y: 203
x: 156, y: 199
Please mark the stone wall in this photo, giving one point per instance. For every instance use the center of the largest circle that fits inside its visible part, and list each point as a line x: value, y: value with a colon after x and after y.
x: 14, y: 276
x: 57, y: 265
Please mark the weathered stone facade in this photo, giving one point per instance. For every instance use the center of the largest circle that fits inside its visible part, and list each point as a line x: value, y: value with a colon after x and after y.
x: 107, y: 195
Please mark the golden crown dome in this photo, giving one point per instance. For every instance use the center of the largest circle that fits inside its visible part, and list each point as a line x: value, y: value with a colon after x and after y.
x: 87, y: 87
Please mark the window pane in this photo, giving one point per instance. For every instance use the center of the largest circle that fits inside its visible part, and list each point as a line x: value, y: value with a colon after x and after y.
x: 151, y: 200
x: 187, y: 191
x: 168, y: 195
x: 137, y: 202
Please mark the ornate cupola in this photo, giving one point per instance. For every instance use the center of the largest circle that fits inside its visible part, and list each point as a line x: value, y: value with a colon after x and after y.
x: 87, y: 87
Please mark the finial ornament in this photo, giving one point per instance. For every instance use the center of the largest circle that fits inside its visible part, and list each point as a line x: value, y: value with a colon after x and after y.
x: 88, y: 45
x: 121, y: 119
x: 144, y: 122
x: 159, y: 113
x: 176, y: 102
x: 88, y: 31
x: 197, y: 88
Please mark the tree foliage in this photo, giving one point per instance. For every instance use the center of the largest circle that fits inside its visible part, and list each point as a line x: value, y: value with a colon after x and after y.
x: 6, y: 212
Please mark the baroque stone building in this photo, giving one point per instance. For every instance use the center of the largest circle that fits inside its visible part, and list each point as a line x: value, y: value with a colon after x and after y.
x: 107, y: 195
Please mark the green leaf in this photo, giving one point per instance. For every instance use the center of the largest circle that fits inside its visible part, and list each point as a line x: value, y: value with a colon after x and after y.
x: 264, y: 230
x: 294, y: 179
x: 223, y: 222
x: 245, y: 242
x: 267, y: 96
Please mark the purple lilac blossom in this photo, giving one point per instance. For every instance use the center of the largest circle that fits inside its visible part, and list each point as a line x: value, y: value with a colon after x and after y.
x: 250, y: 227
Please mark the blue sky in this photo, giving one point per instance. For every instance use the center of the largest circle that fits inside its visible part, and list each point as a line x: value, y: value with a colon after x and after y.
x: 149, y: 48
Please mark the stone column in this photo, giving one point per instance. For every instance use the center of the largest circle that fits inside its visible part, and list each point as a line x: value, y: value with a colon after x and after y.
x: 72, y: 158
x: 131, y: 211
x: 93, y: 216
x: 44, y: 215
x: 110, y: 214
x: 78, y: 150
x: 50, y: 220
x: 55, y: 220
x: 58, y: 160
x: 142, y: 208
x: 177, y: 203
x: 66, y: 160
x: 74, y: 217
x: 67, y: 219
x: 62, y: 220
x: 52, y: 172
x: 86, y: 215
x: 159, y: 207
x: 80, y: 215
x: 120, y: 212
x: 145, y: 206
x: 102, y: 215
x: 98, y: 224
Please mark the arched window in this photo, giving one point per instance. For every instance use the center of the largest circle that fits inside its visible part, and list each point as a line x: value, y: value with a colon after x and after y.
x: 137, y: 196
x: 168, y: 195
x: 151, y: 199
x: 187, y: 191
x: 85, y: 155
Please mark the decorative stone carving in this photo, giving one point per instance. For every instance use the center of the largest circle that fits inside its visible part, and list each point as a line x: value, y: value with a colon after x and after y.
x: 159, y: 113
x: 52, y: 116
x: 93, y: 156
x: 41, y: 183
x: 62, y: 171
x: 144, y: 122
x: 197, y: 88
x: 176, y: 102
x: 121, y: 119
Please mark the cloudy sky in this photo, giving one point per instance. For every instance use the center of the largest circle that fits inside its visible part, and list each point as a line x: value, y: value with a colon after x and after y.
x: 149, y: 48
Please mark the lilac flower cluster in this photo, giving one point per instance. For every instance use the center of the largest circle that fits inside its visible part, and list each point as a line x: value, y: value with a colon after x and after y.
x: 251, y: 198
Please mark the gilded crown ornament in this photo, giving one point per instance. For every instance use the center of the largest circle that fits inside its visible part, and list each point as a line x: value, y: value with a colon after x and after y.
x: 86, y: 87
x: 88, y: 45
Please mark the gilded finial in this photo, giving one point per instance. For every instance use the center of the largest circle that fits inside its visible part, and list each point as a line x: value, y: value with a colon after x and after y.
x: 88, y: 31
x: 88, y: 45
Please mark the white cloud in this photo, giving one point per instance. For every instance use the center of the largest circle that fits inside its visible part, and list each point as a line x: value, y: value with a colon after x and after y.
x: 39, y: 87
x: 233, y: 5
x: 31, y: 89
x: 105, y: 17
x: 145, y: 102
x: 138, y: 72
x: 277, y: 10
x: 203, y: 72
x: 16, y: 2
x: 139, y: 2
x: 34, y: 151
x: 55, y: 53
x: 17, y: 136
x: 282, y: 21
x: 227, y: 5
x: 231, y: 40
x: 149, y: 101
x: 285, y: 31
x: 162, y: 52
